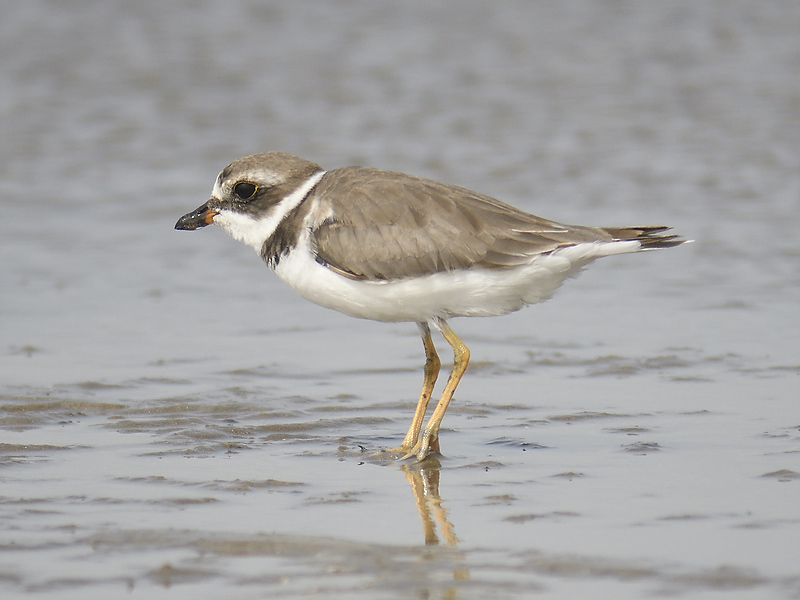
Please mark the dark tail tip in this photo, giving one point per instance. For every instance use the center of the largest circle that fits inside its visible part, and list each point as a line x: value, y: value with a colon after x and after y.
x: 651, y: 237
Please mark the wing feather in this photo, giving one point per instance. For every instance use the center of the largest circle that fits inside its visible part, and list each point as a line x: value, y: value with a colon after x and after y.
x: 381, y: 225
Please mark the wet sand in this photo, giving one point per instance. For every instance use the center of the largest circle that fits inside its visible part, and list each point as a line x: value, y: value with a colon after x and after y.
x: 241, y: 494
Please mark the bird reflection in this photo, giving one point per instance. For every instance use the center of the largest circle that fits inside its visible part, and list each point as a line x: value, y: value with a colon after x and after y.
x: 424, y: 480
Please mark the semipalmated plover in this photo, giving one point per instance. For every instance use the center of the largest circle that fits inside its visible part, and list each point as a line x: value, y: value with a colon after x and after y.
x: 393, y: 247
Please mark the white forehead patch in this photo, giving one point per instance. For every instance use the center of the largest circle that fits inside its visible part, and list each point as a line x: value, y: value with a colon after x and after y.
x: 254, y: 231
x: 217, y: 191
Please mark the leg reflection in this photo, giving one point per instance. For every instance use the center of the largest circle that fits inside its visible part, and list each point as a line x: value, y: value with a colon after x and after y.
x: 424, y: 480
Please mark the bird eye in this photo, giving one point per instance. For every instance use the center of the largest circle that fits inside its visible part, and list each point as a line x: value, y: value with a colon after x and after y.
x: 245, y: 190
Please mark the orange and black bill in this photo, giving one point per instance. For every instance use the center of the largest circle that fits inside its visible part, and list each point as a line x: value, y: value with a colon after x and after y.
x: 196, y: 219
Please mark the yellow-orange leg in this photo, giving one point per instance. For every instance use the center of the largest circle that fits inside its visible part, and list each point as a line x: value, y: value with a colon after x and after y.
x: 432, y: 365
x: 430, y: 438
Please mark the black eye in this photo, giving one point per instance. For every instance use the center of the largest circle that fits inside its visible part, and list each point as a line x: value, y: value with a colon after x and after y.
x: 245, y: 190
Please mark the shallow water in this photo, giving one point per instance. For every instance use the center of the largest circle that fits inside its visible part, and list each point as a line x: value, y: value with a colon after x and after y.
x: 174, y: 422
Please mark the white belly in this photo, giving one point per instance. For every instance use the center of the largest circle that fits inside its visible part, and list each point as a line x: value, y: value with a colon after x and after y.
x: 469, y: 293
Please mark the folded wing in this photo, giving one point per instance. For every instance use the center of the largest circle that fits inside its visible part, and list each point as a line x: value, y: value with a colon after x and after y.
x: 383, y: 226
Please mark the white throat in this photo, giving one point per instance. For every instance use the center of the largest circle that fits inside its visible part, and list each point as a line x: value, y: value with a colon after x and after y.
x: 254, y: 232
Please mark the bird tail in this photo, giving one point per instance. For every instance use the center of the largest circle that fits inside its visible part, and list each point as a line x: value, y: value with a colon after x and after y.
x: 651, y: 237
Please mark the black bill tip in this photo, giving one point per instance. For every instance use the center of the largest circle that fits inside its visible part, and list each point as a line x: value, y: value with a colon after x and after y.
x: 196, y: 219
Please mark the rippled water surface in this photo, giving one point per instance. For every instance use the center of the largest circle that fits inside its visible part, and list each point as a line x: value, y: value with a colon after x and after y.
x: 176, y: 423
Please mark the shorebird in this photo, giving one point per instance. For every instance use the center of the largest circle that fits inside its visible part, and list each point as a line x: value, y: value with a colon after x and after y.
x: 392, y: 247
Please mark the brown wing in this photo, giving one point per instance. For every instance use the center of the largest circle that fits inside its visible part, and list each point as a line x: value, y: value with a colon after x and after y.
x: 383, y: 225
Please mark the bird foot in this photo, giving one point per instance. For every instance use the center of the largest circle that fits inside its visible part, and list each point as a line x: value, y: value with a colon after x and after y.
x: 398, y: 453
x: 423, y: 448
x: 420, y: 449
